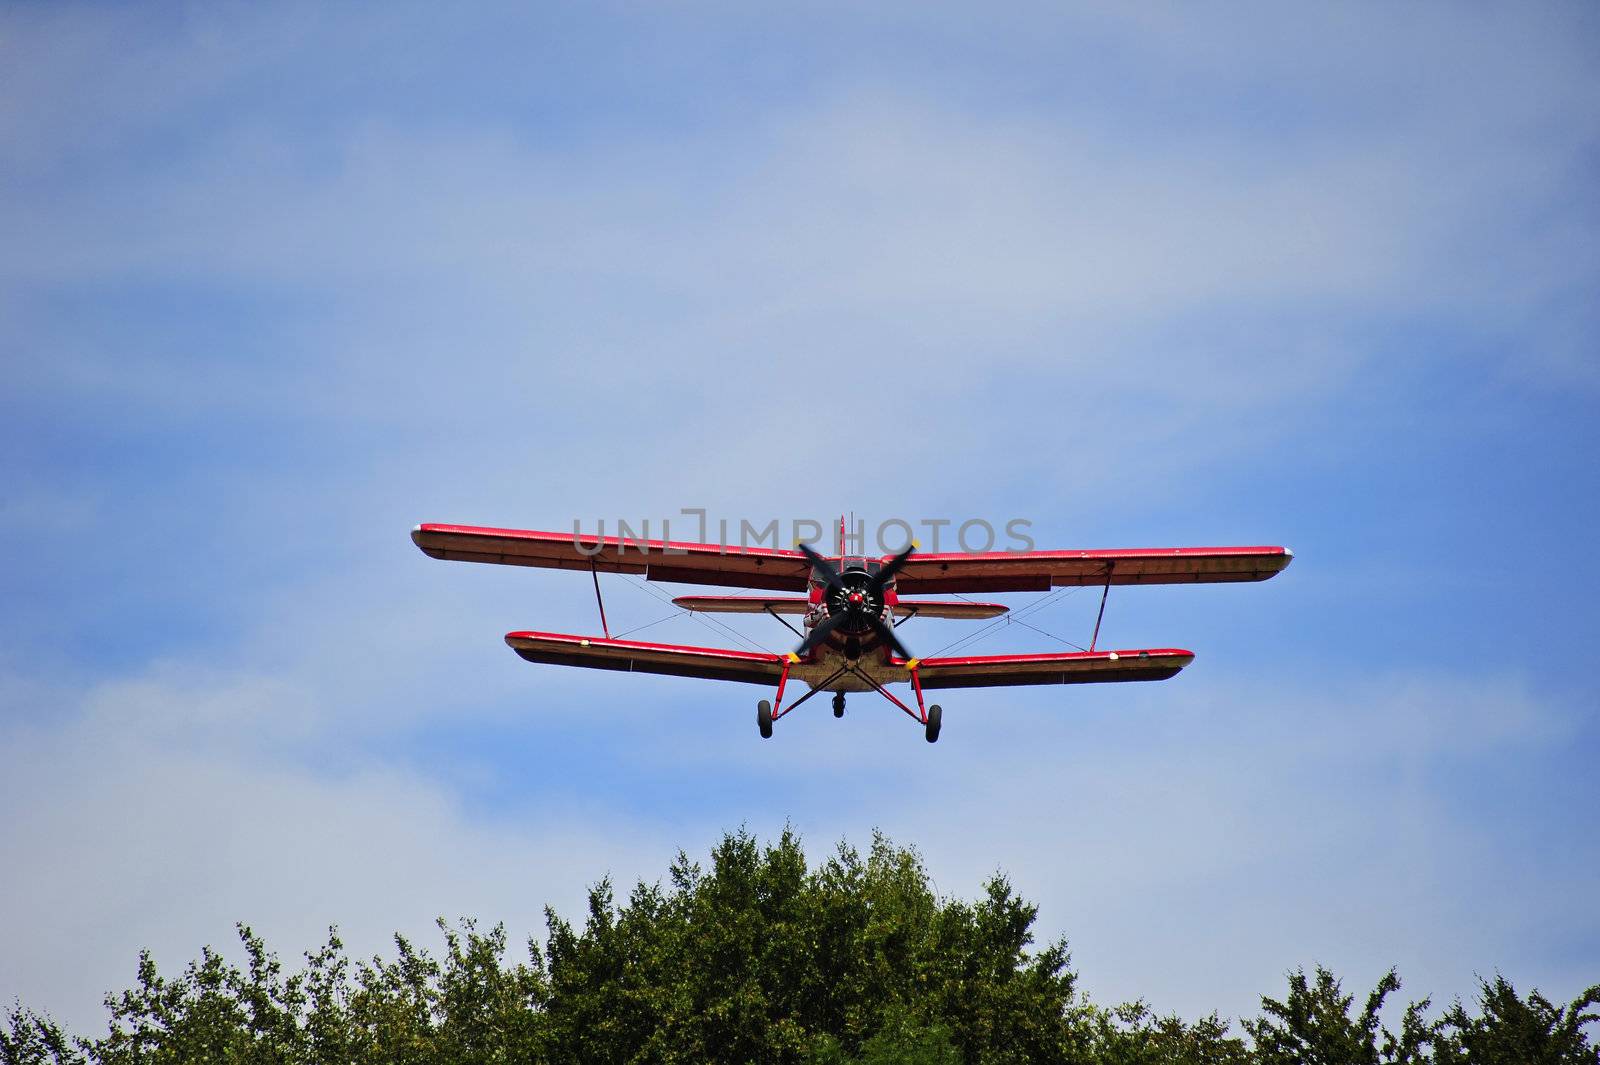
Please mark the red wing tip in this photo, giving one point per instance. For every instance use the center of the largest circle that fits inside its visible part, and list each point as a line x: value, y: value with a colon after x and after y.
x: 1149, y: 652
x: 1144, y: 652
x: 1081, y: 656
x: 512, y: 638
x: 529, y: 634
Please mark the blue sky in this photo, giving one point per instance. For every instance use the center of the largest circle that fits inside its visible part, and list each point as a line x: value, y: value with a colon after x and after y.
x: 278, y: 282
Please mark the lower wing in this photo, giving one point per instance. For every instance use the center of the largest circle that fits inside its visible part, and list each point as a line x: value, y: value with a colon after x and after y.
x: 1075, y: 667
x: 634, y: 656
x: 761, y: 667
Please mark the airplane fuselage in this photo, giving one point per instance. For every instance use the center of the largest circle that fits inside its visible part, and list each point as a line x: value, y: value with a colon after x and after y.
x: 853, y: 639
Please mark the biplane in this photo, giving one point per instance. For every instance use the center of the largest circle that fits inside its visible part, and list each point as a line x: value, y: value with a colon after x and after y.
x: 850, y: 607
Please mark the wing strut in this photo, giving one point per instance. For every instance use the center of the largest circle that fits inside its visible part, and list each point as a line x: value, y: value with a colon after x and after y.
x: 919, y: 715
x: 1101, y: 616
x: 601, y: 603
x: 785, y: 624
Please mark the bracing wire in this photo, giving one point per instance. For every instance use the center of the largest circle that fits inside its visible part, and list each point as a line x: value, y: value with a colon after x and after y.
x: 646, y: 625
x: 1051, y: 636
x: 1014, y: 617
x: 715, y: 626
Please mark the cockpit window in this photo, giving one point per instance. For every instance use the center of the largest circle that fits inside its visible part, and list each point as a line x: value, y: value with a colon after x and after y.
x: 855, y: 563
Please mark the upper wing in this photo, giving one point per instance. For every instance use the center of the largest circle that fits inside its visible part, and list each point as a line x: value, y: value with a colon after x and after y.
x: 656, y: 560
x: 1073, y: 667
x: 786, y: 571
x: 633, y: 656
x: 1037, y: 571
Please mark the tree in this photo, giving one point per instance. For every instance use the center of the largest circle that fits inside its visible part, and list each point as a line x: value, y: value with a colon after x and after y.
x: 759, y: 956
x: 1131, y: 1034
x: 33, y: 1039
x: 1313, y: 1026
x: 1517, y: 1031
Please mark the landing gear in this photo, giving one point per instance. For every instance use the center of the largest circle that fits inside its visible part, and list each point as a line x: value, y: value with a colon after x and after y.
x: 929, y: 717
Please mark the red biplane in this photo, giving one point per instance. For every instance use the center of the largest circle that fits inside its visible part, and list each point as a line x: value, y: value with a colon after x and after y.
x: 850, y: 608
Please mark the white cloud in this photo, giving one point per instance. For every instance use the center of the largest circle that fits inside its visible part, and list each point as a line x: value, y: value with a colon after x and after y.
x: 1196, y: 842
x: 995, y: 271
x: 139, y: 835
x: 1192, y: 841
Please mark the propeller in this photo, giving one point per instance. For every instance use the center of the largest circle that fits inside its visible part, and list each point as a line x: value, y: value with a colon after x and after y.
x: 819, y: 562
x: 854, y: 602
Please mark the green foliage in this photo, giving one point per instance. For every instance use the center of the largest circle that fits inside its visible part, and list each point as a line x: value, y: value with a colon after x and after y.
x: 33, y: 1039
x: 1313, y: 1024
x: 898, y: 1042
x: 1534, y: 1031
x: 1131, y: 1034
x: 759, y: 957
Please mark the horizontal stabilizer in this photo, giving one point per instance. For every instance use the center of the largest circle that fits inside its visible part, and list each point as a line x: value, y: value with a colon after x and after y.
x: 757, y: 604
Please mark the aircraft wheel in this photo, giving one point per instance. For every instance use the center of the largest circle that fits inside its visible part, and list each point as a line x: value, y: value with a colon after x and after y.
x: 838, y: 704
x: 935, y: 716
x: 764, y: 719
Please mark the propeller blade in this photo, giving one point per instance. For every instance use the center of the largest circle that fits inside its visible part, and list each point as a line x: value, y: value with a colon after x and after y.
x: 886, y: 574
x: 886, y: 634
x: 820, y: 563
x: 818, y: 634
